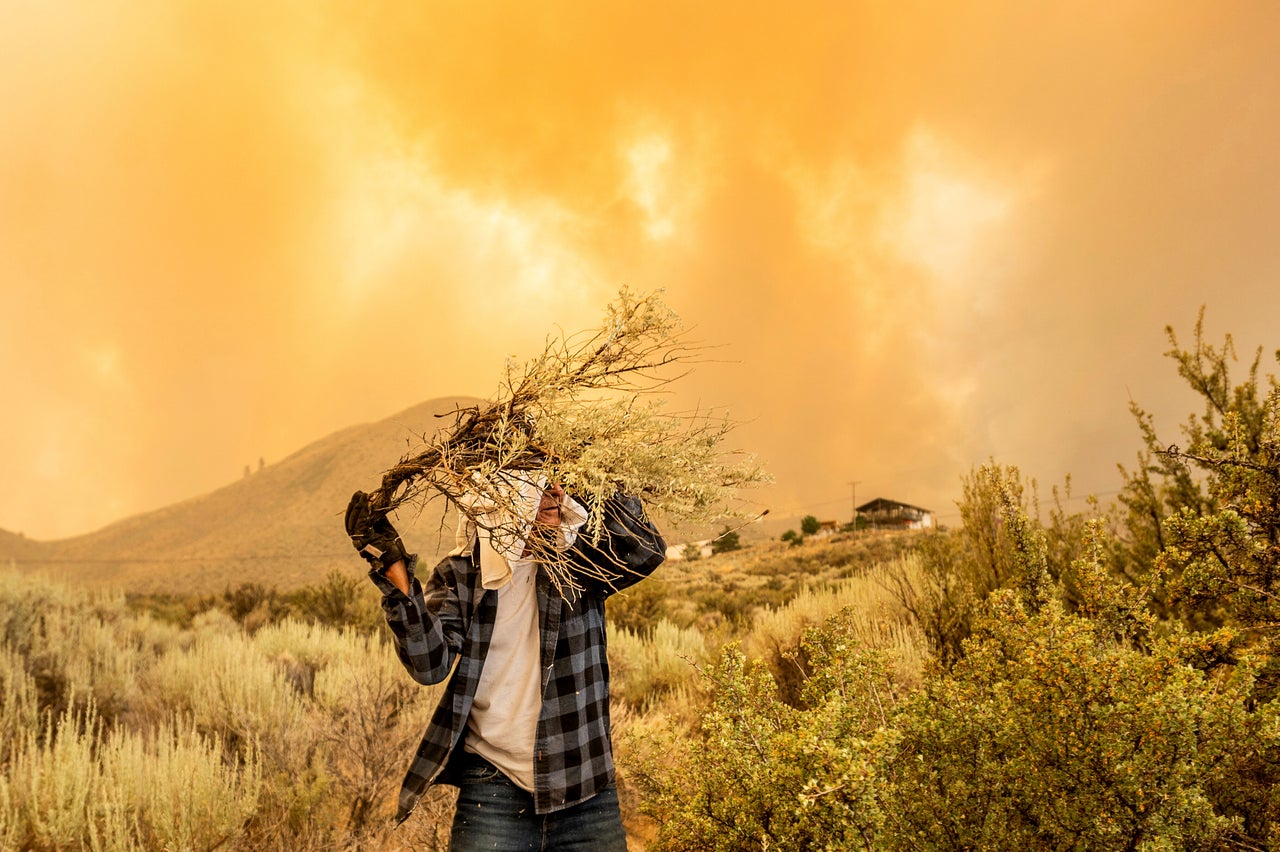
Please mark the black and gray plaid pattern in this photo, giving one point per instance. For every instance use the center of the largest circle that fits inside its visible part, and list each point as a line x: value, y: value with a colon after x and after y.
x: 449, y: 621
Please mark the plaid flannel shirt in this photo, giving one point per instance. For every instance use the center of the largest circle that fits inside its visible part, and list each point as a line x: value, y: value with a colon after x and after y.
x: 446, y: 625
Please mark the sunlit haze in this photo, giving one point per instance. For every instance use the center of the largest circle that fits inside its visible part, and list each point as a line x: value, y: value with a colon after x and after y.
x: 925, y: 235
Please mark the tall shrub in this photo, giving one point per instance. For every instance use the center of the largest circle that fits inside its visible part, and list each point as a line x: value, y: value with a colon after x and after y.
x: 766, y: 775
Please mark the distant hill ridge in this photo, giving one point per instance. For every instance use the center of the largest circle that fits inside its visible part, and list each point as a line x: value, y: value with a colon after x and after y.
x: 280, y: 526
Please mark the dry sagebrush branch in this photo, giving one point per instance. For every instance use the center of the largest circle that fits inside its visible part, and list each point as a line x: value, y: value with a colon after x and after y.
x: 587, y: 413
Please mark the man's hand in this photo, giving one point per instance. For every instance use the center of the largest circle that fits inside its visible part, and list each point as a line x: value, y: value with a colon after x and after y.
x: 372, y: 535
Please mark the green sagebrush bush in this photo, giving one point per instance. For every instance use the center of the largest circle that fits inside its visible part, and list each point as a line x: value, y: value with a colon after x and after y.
x: 1093, y: 727
x: 1202, y: 526
x: 77, y: 649
x: 958, y: 569
x: 1050, y: 734
x: 766, y: 775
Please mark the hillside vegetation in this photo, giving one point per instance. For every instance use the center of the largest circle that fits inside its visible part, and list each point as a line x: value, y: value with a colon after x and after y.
x: 1036, y: 678
x: 1097, y: 680
x: 281, y: 526
x: 282, y: 720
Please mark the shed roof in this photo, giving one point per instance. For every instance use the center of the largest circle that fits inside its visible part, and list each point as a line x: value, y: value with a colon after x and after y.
x: 880, y: 504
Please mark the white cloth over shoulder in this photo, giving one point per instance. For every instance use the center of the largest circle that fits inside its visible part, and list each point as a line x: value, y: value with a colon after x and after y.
x: 506, y: 513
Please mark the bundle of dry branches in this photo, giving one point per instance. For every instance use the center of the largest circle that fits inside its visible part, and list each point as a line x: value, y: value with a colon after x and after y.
x: 587, y: 413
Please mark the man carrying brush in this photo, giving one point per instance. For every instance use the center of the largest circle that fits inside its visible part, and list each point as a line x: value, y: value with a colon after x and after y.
x: 522, y: 728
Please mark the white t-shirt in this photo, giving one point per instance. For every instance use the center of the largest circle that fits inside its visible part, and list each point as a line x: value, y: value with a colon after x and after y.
x: 504, y: 713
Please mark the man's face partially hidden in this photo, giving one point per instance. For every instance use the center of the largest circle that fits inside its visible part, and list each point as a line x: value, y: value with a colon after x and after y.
x: 549, y: 506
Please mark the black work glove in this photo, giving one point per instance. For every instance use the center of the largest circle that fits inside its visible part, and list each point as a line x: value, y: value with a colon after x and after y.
x: 371, y: 533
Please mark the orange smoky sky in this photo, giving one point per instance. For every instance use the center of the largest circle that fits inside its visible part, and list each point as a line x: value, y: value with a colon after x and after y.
x: 925, y: 234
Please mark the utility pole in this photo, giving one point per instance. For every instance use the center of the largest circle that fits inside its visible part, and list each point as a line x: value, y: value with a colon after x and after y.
x: 853, y: 498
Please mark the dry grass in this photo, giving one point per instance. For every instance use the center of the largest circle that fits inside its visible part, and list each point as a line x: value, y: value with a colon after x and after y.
x: 880, y: 621
x: 649, y: 668
x: 120, y: 731
x: 295, y: 737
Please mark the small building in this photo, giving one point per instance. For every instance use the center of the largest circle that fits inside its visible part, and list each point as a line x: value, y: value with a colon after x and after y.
x: 891, y: 515
x: 828, y: 528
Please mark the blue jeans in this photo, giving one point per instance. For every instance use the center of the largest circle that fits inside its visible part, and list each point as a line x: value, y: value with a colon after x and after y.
x: 495, y: 814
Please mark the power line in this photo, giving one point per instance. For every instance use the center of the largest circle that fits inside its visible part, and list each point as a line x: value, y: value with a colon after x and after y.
x: 803, y: 506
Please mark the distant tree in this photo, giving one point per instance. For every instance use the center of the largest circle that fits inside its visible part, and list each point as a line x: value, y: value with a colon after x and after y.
x: 246, y: 471
x: 692, y: 551
x: 792, y: 537
x: 254, y: 605
x: 726, y: 541
x: 809, y: 525
x: 641, y: 608
x: 261, y: 463
x: 337, y: 601
x: 853, y: 526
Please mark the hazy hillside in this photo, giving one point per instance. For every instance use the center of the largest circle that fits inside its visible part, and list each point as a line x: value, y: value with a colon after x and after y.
x: 17, y: 546
x: 281, y: 525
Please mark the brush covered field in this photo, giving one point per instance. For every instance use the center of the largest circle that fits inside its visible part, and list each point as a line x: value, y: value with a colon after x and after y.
x: 259, y: 719
x: 780, y: 697
x: 1038, y: 678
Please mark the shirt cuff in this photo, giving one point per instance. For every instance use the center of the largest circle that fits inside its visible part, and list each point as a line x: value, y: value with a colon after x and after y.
x: 388, y: 588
